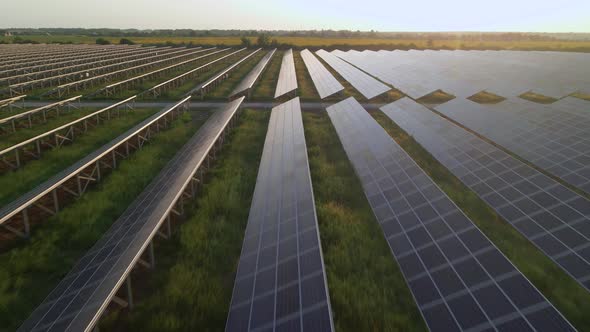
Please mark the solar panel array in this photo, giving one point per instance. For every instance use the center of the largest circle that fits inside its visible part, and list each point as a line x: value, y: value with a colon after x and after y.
x: 325, y: 83
x: 281, y: 281
x: 552, y: 217
x: 464, y: 73
x: 368, y: 86
x: 459, y: 279
x: 80, y: 298
x: 554, y: 137
x: 287, y: 77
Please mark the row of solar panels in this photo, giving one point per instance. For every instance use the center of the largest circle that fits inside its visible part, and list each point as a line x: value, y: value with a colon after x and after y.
x: 459, y: 279
x: 465, y: 73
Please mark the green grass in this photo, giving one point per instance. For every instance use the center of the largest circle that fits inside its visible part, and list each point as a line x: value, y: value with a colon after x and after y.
x: 537, y: 98
x: 367, y: 289
x: 22, y: 134
x: 29, y: 273
x: 191, y: 288
x: 581, y: 96
x: 306, y: 88
x: 436, y: 97
x: 229, y: 84
x: 14, y: 184
x: 485, y: 97
x: 266, y: 86
x: 566, y: 294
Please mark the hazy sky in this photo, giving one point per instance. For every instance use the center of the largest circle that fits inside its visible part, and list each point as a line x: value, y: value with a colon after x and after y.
x: 382, y: 15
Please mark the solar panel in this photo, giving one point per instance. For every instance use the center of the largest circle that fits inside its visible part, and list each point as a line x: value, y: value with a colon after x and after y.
x: 365, y: 84
x: 287, y: 77
x: 79, y: 300
x: 554, y: 137
x: 323, y: 80
x: 552, y: 217
x: 281, y: 280
x: 459, y: 279
x: 248, y: 82
x: 464, y: 73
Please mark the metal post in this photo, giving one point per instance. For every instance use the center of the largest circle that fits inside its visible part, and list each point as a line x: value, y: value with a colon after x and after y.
x: 129, y: 293
x: 152, y: 256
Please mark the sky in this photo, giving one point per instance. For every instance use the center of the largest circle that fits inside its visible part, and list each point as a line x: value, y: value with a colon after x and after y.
x: 380, y: 15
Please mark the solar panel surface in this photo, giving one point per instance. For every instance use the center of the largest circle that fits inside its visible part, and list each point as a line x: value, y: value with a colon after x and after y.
x: 324, y: 81
x: 281, y: 282
x: 464, y: 73
x: 368, y: 86
x: 552, y: 217
x: 287, y: 77
x: 459, y: 279
x: 554, y: 137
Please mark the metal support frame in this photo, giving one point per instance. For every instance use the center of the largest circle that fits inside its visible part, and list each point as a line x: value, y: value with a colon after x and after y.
x: 188, y: 193
x: 78, y: 182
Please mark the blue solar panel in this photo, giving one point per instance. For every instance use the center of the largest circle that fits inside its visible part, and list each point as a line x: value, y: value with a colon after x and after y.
x: 459, y: 279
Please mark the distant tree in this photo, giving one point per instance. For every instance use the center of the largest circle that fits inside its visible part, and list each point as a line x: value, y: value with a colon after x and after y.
x: 102, y: 41
x: 263, y: 40
x: 125, y: 41
x: 246, y: 42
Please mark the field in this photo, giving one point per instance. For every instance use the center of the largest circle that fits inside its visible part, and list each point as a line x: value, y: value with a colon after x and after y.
x: 319, y: 42
x: 190, y: 288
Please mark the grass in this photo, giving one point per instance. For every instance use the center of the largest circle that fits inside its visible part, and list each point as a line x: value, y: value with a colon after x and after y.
x: 317, y: 42
x: 266, y: 86
x: 485, y: 97
x: 229, y: 84
x: 367, y: 289
x: 566, y: 294
x: 191, y: 288
x: 306, y: 89
x: 537, y: 98
x: 436, y: 97
x: 582, y: 96
x: 30, y: 272
x: 12, y: 138
x: 14, y: 184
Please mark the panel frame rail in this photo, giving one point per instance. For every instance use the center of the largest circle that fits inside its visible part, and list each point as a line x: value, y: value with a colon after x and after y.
x: 26, y: 119
x: 15, y: 156
x: 11, y: 102
x: 44, y: 200
x: 103, y: 276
